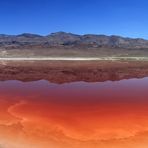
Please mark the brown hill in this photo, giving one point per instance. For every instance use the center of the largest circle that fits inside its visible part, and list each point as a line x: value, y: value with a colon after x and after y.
x: 68, y: 44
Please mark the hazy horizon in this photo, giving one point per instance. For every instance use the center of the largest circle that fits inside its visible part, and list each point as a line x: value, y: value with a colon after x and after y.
x: 124, y: 36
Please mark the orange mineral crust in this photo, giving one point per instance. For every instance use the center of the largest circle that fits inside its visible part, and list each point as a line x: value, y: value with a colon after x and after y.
x: 77, y: 115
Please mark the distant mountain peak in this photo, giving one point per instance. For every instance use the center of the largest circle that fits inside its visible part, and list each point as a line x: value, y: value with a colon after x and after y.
x: 61, y: 33
x: 29, y: 35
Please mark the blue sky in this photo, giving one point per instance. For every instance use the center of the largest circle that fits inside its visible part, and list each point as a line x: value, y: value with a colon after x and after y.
x: 118, y: 17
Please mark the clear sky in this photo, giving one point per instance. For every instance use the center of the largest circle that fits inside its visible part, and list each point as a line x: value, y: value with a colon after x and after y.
x: 118, y: 17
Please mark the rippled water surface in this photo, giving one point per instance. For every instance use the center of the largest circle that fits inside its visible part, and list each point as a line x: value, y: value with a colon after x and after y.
x: 41, y: 114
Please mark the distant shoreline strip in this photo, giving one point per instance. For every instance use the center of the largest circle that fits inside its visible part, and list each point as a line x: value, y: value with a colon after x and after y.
x: 74, y: 59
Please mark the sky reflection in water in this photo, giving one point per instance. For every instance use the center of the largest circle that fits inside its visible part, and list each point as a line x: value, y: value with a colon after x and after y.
x: 90, y: 115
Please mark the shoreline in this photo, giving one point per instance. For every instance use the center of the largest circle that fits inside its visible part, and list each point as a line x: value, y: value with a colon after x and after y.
x: 75, y: 59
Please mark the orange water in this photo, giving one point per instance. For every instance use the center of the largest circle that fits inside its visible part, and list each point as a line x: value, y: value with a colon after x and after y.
x: 75, y: 115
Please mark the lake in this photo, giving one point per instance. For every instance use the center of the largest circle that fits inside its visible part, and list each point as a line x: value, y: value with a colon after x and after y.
x: 41, y: 114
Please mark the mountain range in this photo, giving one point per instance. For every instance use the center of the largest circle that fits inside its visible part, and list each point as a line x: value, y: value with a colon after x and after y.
x: 68, y: 44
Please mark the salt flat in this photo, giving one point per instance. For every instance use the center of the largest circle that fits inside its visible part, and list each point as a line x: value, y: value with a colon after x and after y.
x: 72, y: 58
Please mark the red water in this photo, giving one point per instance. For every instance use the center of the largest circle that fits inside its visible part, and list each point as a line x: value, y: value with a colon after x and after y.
x: 75, y: 115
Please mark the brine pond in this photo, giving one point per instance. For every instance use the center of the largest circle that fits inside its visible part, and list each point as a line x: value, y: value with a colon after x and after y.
x: 41, y: 114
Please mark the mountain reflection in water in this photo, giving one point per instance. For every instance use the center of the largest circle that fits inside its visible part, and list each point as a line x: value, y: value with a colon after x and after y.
x: 74, y: 115
x: 68, y: 71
